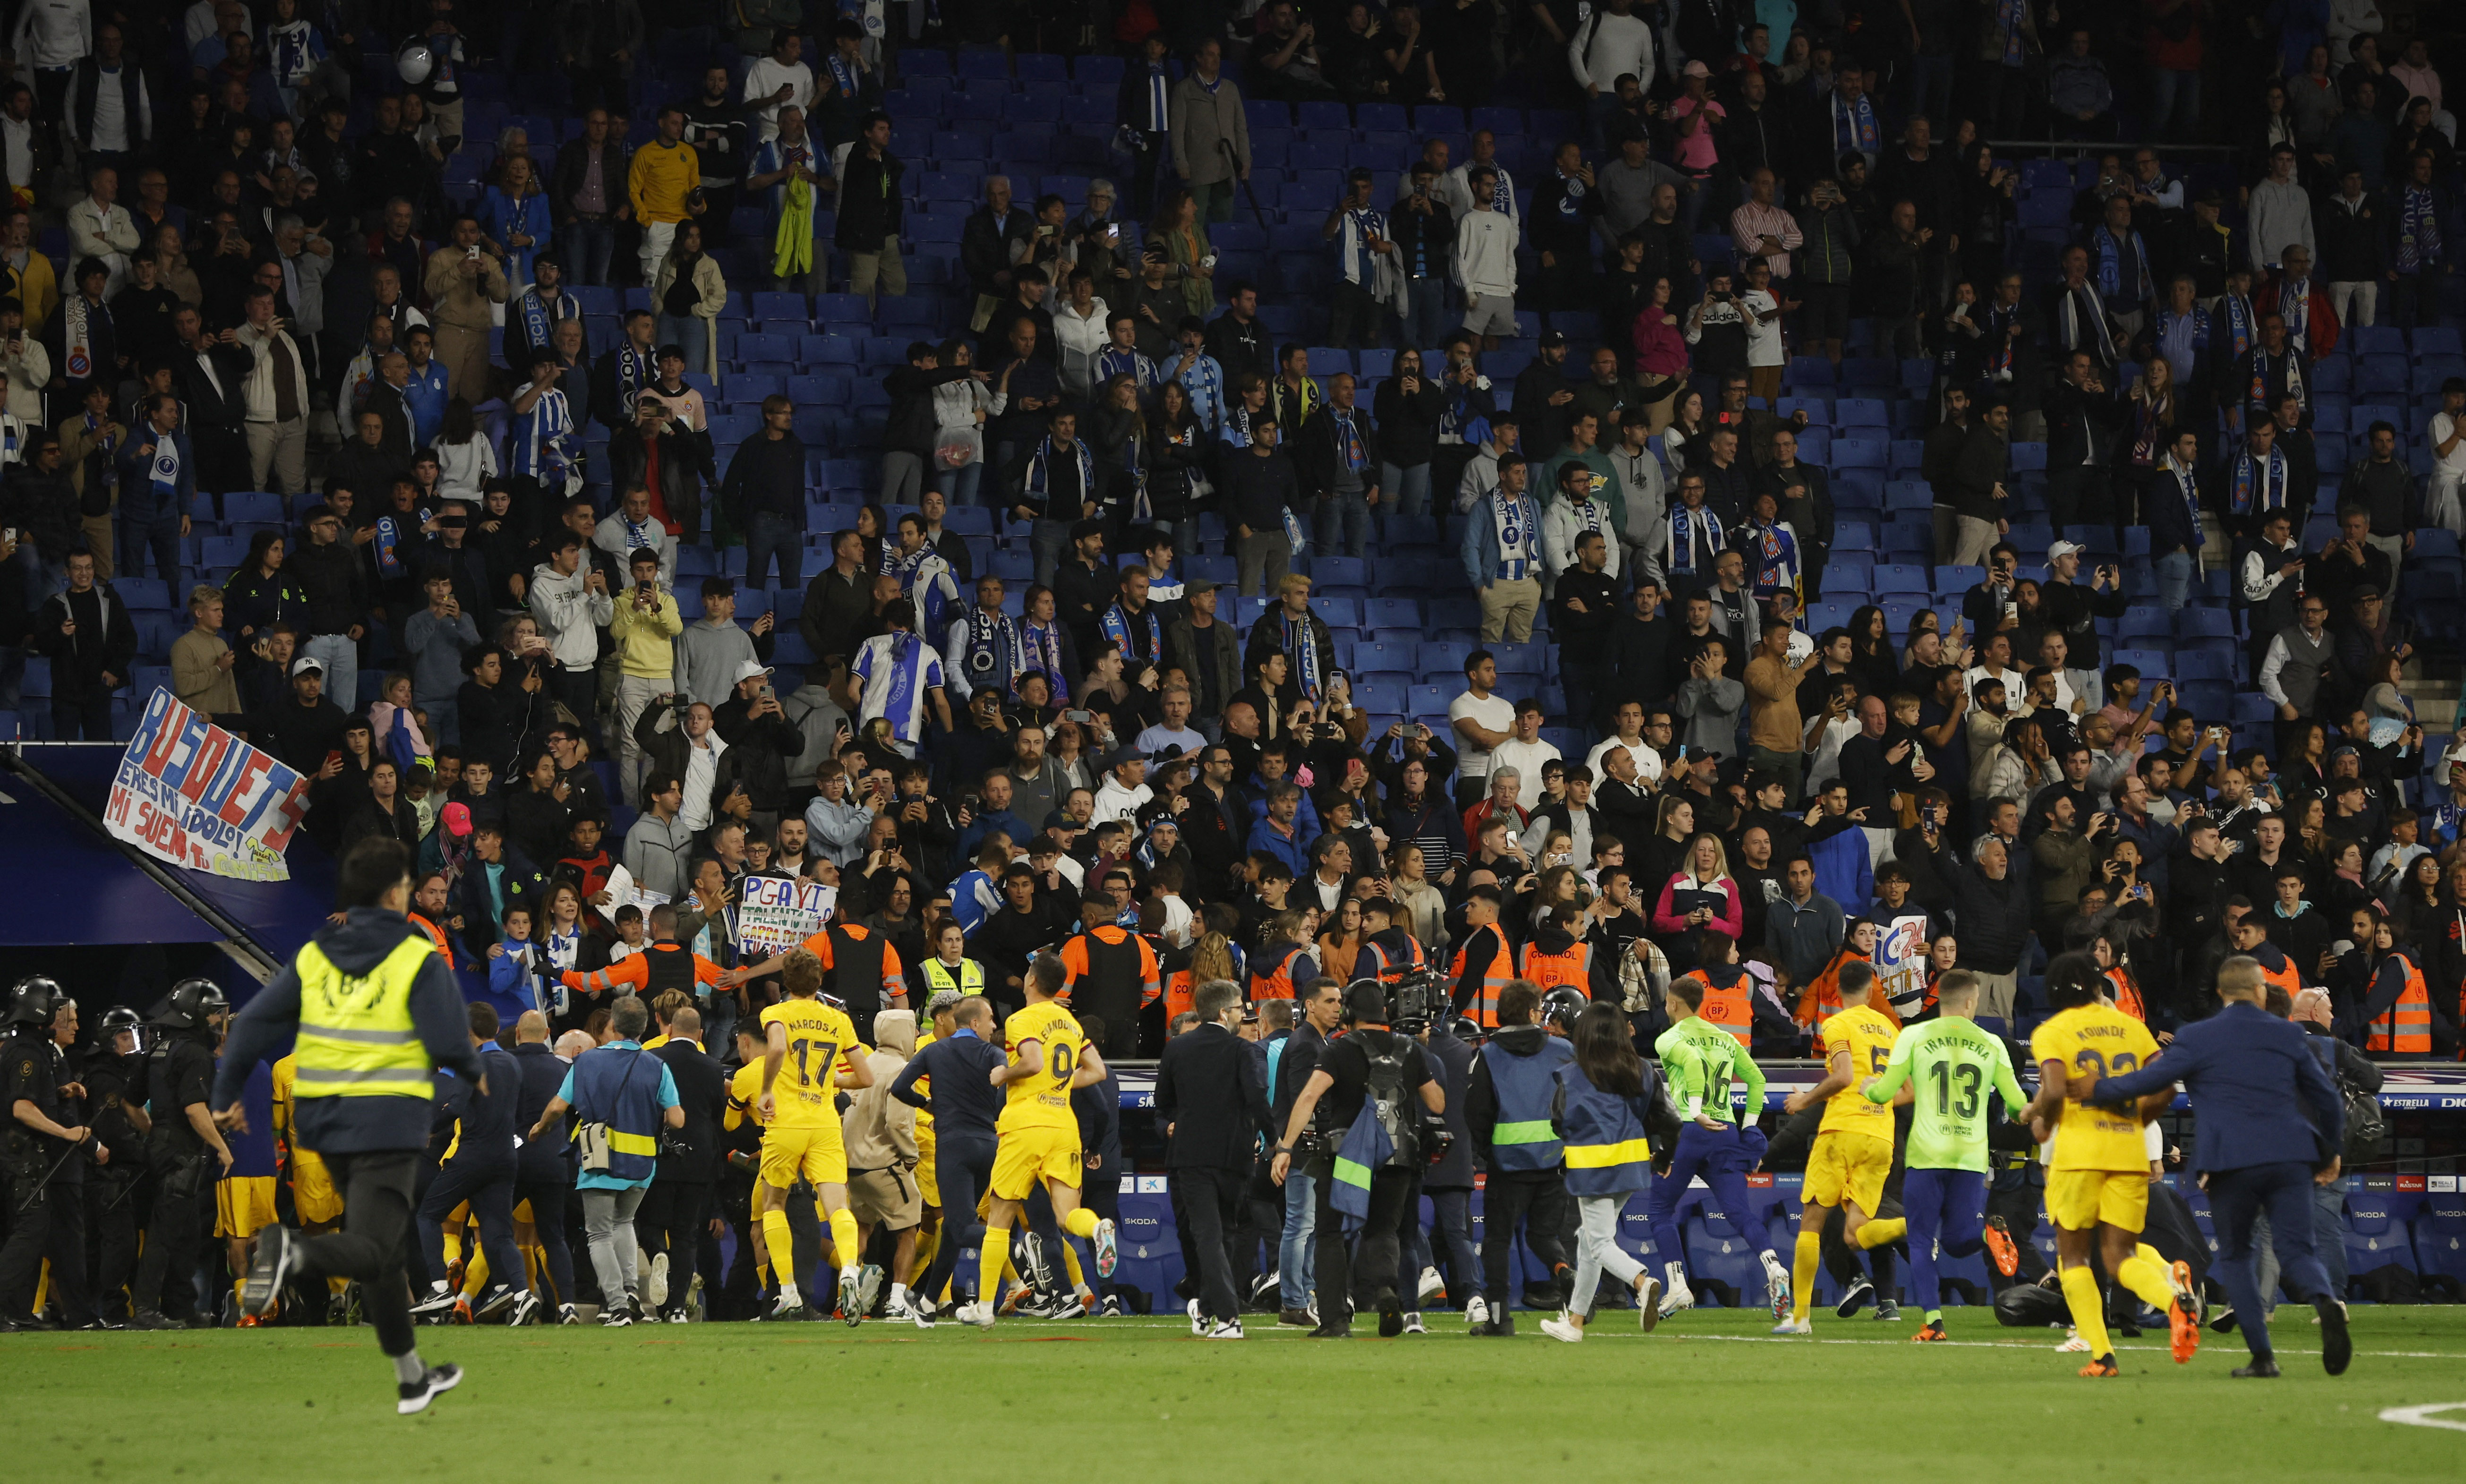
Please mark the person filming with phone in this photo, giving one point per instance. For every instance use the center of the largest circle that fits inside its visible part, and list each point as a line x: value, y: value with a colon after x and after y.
x: 760, y: 741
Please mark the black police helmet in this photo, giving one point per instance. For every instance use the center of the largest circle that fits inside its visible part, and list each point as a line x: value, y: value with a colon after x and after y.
x: 1465, y: 1027
x: 192, y: 1005
x: 35, y: 1000
x: 1561, y: 1006
x: 118, y: 1018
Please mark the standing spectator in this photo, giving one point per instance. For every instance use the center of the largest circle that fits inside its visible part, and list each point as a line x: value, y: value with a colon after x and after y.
x: 790, y: 173
x: 689, y: 293
x: 1209, y: 132
x: 99, y: 228
x: 869, y: 197
x: 277, y: 397
x: 588, y: 193
x: 659, y: 185
x: 779, y: 81
x: 466, y: 290
x: 1565, y: 205
x: 91, y: 641
x: 2279, y: 213
x: 436, y: 638
x: 1501, y: 551
x: 764, y: 495
x: 158, y: 485
x: 646, y: 627
x: 1365, y: 260
x: 1335, y: 454
x: 1144, y: 107
x: 1485, y: 261
x: 1612, y: 42
x: 2079, y: 92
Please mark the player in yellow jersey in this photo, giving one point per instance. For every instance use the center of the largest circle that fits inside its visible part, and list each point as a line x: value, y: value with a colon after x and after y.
x: 1037, y: 1136
x: 744, y: 1096
x: 2098, y: 1180
x: 313, y: 1196
x: 1852, y: 1153
x: 810, y: 1052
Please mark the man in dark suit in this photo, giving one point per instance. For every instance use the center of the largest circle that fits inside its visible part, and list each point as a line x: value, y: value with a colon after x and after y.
x: 2262, y: 1111
x: 543, y: 1168
x: 211, y: 378
x: 1214, y: 1107
x: 677, y: 1207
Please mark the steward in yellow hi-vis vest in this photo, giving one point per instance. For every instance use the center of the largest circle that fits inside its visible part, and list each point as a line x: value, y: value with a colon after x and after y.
x: 369, y: 1014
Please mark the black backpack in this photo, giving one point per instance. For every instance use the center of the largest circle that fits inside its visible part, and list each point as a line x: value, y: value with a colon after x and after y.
x: 1386, y: 1094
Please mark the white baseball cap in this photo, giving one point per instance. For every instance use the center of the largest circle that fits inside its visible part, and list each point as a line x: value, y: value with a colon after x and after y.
x: 750, y: 669
x: 2062, y: 549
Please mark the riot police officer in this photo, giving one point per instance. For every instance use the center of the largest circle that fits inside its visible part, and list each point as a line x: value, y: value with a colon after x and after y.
x: 46, y: 1147
x: 185, y: 1151
x: 113, y: 1069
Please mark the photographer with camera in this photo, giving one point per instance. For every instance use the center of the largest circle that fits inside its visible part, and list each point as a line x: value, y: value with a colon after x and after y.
x: 1354, y: 1111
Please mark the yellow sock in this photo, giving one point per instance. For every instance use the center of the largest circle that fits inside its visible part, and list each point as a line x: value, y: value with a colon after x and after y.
x: 338, y: 1286
x: 1071, y: 1261
x: 843, y: 1237
x: 927, y: 1245
x: 1881, y: 1234
x: 237, y: 1285
x: 992, y: 1260
x: 476, y: 1274
x: 778, y: 1236
x: 1009, y: 1268
x: 1079, y: 1223
x: 1805, y: 1259
x: 2146, y: 1274
x: 2089, y: 1310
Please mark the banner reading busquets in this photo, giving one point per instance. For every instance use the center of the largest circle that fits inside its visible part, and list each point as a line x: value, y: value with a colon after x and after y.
x: 776, y: 913
x: 196, y: 796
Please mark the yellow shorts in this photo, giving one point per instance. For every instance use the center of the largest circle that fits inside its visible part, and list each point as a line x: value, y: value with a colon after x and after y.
x: 815, y: 1153
x: 242, y: 1203
x: 1032, y: 1154
x: 312, y: 1190
x: 2079, y: 1199
x: 1848, y: 1165
x: 929, y: 1184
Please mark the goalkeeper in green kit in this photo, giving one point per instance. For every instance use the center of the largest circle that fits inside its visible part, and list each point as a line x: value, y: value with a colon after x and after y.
x: 1954, y: 1065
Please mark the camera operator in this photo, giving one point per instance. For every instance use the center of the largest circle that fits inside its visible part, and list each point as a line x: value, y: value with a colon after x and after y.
x: 1370, y: 1071
x: 1514, y: 1080
x: 1213, y: 1103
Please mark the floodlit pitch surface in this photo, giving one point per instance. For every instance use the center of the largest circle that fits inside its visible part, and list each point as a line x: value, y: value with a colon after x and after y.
x: 1141, y: 1400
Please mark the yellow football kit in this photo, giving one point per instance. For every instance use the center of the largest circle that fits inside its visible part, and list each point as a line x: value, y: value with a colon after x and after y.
x: 313, y: 1195
x: 1852, y: 1153
x: 804, y: 1136
x: 2100, y: 1170
x: 1038, y: 1135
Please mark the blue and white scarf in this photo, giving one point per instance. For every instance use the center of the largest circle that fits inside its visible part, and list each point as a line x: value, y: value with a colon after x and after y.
x: 1348, y: 440
x: 1139, y: 635
x: 2009, y: 15
x: 2183, y: 339
x: 162, y: 472
x: 539, y: 314
x: 2192, y: 492
x: 2419, y: 229
x: 2295, y: 306
x: 1458, y: 422
x: 995, y: 655
x: 2260, y: 397
x: 1513, y: 523
x: 1695, y: 539
x: 2243, y: 327
x: 1043, y: 643
x: 1204, y: 380
x: 1777, y: 566
x: 2111, y: 270
x: 1038, y: 483
x: 635, y: 370
x: 1114, y: 361
x: 1854, y: 127
x: 2250, y: 488
x: 1159, y: 110
x: 1354, y: 259
x: 1299, y: 638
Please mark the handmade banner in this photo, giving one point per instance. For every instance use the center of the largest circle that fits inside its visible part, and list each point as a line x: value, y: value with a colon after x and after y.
x: 1902, y: 961
x: 194, y: 794
x: 776, y: 913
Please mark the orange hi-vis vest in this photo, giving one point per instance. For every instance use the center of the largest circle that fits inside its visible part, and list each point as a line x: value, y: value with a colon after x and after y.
x: 1376, y: 962
x: 2286, y: 976
x: 1550, y: 970
x: 1730, y: 1006
x: 1820, y: 1000
x: 1494, y: 977
x: 1276, y: 983
x: 2127, y: 994
x: 2405, y: 1029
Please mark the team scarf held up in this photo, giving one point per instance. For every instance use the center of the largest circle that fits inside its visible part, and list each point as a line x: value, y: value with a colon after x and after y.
x: 1512, y: 521
x: 1777, y: 568
x: 78, y: 320
x: 1691, y: 530
x: 2186, y: 486
x: 537, y: 321
x: 2295, y: 306
x: 2111, y: 269
x: 2293, y: 360
x: 2419, y: 229
x: 636, y: 370
x: 1140, y: 634
x: 162, y: 472
x: 995, y: 654
x: 1299, y: 639
x: 2250, y: 489
x: 1854, y: 126
x: 2243, y: 327
x: 1044, y: 645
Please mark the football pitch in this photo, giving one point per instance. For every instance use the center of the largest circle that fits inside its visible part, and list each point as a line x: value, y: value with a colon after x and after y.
x: 1140, y: 1399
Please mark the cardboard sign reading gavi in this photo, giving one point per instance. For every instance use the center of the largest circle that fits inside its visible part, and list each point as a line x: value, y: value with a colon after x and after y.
x: 192, y: 793
x: 776, y: 913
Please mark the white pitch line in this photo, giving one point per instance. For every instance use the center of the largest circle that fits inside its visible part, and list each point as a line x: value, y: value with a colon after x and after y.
x: 2421, y: 1416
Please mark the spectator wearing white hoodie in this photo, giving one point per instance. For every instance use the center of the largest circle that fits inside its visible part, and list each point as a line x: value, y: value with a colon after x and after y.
x: 1610, y: 43
x: 571, y: 602
x: 1485, y: 262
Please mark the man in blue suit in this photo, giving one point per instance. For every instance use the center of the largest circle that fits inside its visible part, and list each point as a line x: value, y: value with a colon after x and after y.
x: 2252, y: 1078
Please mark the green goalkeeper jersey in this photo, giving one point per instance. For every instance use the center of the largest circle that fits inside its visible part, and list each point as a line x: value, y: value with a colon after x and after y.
x: 1701, y: 1060
x: 1955, y: 1064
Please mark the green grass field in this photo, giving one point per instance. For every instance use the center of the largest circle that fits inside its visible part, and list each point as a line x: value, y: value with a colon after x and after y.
x: 1139, y: 1399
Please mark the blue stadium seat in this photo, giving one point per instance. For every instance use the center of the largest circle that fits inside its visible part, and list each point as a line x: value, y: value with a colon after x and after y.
x: 2377, y: 1240
x: 260, y: 506
x: 1445, y: 659
x: 1896, y: 576
x: 2440, y: 1234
